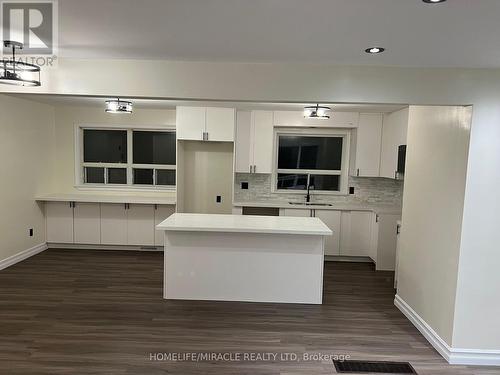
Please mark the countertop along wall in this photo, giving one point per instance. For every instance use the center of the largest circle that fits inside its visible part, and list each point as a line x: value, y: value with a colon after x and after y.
x: 26, y: 169
x: 65, y: 119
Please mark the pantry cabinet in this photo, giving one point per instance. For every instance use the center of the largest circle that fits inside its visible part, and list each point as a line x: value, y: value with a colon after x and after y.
x: 205, y: 124
x: 254, y: 142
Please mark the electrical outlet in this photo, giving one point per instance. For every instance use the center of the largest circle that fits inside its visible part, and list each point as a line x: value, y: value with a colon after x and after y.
x: 218, y: 199
x: 244, y: 185
x: 351, y: 190
x: 31, y: 232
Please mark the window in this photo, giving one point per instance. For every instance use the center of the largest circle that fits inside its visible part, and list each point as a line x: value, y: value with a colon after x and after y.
x: 128, y: 157
x: 317, y: 160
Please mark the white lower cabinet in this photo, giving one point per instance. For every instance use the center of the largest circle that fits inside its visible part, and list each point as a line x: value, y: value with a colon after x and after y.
x: 105, y: 223
x: 140, y: 224
x: 357, y: 234
x: 356, y: 227
x: 59, y: 222
x: 332, y: 220
x: 161, y: 213
x: 87, y: 223
x: 387, y: 233
x: 114, y: 224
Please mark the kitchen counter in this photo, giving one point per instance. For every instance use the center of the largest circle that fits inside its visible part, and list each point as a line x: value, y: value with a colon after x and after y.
x: 106, y: 198
x: 243, y: 258
x: 378, y: 209
x: 245, y: 224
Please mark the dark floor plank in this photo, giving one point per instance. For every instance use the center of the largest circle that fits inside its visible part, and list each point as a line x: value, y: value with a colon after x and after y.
x: 102, y: 312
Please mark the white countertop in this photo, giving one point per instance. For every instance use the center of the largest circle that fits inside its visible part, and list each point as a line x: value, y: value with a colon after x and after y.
x: 106, y: 198
x: 378, y: 209
x: 245, y: 224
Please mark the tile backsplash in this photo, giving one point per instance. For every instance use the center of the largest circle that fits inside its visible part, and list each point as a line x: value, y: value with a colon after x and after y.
x: 378, y: 191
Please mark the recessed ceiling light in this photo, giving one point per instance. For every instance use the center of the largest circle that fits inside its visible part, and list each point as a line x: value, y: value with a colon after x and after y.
x: 118, y: 106
x: 317, y: 111
x: 433, y: 1
x: 374, y: 50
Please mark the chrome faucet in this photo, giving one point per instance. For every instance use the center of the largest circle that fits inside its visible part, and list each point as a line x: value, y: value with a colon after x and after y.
x: 308, y: 195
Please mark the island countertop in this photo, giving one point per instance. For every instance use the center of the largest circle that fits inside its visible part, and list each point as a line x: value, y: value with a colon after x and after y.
x: 245, y: 224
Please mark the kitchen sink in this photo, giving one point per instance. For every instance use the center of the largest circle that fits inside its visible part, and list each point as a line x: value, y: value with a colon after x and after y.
x: 310, y: 204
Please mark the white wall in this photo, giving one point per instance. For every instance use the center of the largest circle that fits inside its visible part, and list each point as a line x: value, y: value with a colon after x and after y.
x: 26, y: 166
x: 477, y: 323
x: 67, y: 116
x: 436, y: 167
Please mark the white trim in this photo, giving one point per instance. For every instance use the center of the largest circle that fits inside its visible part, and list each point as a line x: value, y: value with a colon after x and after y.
x: 25, y: 254
x: 72, y: 246
x: 454, y: 356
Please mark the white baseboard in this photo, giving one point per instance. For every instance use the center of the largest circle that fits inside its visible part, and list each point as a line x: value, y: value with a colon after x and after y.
x: 25, y: 254
x: 72, y: 246
x: 454, y: 356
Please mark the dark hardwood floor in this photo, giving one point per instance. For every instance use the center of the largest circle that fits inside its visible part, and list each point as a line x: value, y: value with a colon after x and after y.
x: 102, y: 312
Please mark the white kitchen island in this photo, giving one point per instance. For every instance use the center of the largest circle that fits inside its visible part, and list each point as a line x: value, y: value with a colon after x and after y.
x: 244, y: 258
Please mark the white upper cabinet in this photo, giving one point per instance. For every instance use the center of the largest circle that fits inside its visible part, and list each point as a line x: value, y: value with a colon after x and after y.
x: 367, y: 144
x: 254, y: 142
x: 393, y: 135
x: 336, y: 120
x: 190, y: 123
x: 205, y: 123
x: 220, y: 124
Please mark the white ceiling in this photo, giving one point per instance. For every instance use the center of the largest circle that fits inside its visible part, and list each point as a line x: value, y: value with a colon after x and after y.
x: 457, y: 33
x: 58, y: 100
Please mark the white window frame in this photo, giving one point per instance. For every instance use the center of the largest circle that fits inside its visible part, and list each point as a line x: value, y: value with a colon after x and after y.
x: 345, y: 134
x: 129, y: 166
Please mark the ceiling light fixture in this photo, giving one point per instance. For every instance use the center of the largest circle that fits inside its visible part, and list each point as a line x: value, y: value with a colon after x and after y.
x: 118, y: 106
x: 317, y: 111
x: 374, y: 50
x: 433, y: 1
x: 18, y: 73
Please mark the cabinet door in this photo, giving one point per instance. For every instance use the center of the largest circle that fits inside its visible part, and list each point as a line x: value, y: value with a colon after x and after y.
x: 190, y: 123
x: 295, y: 212
x: 368, y: 143
x: 332, y: 220
x: 87, y: 223
x: 243, y: 142
x: 220, y: 124
x: 262, y: 141
x: 59, y: 221
x: 141, y: 225
x: 387, y: 242
x: 394, y: 133
x: 355, y: 238
x: 113, y: 224
x: 161, y: 213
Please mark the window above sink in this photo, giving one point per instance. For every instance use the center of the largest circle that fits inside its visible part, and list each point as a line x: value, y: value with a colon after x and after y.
x: 318, y: 157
